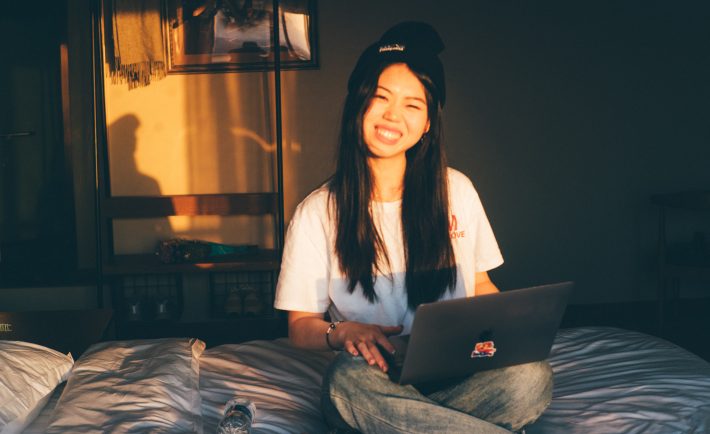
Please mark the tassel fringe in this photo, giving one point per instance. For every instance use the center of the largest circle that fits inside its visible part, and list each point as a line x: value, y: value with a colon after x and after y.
x: 138, y: 74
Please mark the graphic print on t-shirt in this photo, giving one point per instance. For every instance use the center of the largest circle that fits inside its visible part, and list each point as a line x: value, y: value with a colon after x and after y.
x: 454, y: 231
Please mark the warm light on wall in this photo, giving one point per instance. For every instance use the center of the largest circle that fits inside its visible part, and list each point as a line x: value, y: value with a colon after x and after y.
x: 192, y: 134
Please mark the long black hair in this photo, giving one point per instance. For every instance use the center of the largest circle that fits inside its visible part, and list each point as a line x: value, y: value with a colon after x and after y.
x: 429, y: 256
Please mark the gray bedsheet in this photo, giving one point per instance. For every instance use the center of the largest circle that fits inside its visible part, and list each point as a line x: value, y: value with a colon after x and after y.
x: 607, y: 380
x: 615, y: 381
x: 283, y: 381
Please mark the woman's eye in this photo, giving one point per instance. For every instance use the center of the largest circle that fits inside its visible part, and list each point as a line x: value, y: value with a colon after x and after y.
x: 415, y: 107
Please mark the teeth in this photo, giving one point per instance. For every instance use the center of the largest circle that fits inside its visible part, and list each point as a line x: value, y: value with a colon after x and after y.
x: 388, y: 134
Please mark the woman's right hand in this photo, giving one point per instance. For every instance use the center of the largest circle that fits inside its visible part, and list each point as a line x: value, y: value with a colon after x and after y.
x: 308, y: 330
x: 367, y: 340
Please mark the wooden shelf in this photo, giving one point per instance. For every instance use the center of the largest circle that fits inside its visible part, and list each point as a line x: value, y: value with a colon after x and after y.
x: 263, y: 259
x: 137, y: 207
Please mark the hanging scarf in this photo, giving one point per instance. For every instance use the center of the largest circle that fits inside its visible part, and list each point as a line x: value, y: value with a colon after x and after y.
x: 138, y: 50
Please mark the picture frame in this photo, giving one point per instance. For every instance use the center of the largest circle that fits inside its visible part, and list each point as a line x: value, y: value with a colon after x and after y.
x: 237, y: 35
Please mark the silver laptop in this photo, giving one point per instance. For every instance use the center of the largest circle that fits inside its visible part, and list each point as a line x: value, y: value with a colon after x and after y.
x: 455, y: 338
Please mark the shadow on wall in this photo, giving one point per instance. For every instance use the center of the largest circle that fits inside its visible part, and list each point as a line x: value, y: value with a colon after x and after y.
x: 230, y: 145
x: 127, y: 180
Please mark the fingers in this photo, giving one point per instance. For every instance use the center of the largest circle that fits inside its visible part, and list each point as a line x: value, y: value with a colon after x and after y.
x: 385, y: 344
x: 391, y: 330
x: 388, y: 331
x: 372, y: 355
x: 368, y: 350
x: 369, y: 341
x: 349, y: 346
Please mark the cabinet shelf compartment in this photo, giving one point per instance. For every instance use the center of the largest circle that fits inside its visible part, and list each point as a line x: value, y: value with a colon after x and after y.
x: 147, y: 297
x: 242, y: 294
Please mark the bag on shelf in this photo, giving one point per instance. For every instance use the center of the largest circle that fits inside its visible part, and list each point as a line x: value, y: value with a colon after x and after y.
x: 177, y: 250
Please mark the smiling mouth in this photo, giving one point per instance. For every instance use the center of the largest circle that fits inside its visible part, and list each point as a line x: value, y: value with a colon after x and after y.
x: 387, y: 134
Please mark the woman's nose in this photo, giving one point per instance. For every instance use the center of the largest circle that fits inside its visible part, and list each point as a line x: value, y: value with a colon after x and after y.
x: 391, y: 113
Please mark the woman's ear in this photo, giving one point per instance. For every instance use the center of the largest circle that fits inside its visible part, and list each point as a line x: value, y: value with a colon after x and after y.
x: 426, y: 129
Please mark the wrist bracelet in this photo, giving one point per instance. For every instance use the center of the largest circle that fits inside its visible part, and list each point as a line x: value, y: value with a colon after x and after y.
x: 331, y: 327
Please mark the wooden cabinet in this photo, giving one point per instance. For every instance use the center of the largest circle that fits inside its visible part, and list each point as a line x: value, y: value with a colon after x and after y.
x: 147, y: 294
x: 217, y: 298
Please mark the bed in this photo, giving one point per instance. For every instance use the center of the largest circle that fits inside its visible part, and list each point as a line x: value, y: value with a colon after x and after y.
x: 607, y: 380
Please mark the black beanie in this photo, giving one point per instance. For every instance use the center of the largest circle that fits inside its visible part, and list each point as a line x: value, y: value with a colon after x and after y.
x: 415, y: 43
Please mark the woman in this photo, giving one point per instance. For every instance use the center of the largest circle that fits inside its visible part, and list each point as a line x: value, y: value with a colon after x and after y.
x: 394, y: 228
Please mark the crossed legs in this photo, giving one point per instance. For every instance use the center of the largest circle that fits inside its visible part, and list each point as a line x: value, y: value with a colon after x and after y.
x: 358, y: 396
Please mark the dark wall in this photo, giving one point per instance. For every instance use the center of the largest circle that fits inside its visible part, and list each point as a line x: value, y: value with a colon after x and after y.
x: 580, y: 112
x: 566, y: 115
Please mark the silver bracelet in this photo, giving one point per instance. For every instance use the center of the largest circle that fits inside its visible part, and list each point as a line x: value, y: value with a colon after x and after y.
x: 331, y: 327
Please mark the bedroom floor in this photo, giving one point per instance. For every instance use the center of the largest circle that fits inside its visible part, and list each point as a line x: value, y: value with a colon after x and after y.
x: 687, y: 323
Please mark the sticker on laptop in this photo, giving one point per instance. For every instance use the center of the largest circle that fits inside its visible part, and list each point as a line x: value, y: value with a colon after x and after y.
x: 484, y: 349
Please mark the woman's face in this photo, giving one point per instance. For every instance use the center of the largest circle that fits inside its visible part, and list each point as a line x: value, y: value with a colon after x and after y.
x: 397, y: 116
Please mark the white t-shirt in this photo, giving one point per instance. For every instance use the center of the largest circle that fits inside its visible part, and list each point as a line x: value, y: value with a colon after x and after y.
x: 311, y: 279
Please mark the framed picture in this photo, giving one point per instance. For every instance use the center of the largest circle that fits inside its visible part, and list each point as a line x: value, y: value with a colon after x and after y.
x: 237, y: 35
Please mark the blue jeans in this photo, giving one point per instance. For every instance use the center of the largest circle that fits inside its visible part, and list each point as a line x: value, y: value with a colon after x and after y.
x: 361, y: 397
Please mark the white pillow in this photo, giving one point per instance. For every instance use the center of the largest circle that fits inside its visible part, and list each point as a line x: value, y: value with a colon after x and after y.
x: 141, y: 386
x: 28, y: 375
